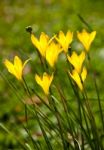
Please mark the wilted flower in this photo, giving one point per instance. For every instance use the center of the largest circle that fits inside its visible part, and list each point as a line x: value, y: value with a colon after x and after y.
x: 17, y: 68
x: 86, y: 38
x: 65, y: 40
x: 79, y: 78
x: 77, y: 60
x: 44, y: 81
x: 52, y: 53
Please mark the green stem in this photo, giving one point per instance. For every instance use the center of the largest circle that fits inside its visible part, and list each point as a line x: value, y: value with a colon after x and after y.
x: 85, y: 22
x: 88, y: 136
x: 59, y: 122
x: 37, y: 117
x: 67, y: 115
x: 98, y: 95
x: 9, y: 132
x: 99, y: 103
x: 92, y: 120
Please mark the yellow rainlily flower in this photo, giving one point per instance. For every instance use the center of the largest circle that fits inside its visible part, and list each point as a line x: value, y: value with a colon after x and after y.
x: 52, y: 53
x: 44, y: 81
x: 79, y: 78
x: 17, y: 68
x: 42, y: 43
x: 86, y: 38
x: 65, y: 40
x: 77, y: 60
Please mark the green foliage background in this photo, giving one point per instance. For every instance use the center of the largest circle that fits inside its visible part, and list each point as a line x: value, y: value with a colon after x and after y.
x: 48, y: 16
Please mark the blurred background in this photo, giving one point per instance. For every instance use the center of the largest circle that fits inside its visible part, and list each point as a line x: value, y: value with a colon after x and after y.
x: 49, y: 16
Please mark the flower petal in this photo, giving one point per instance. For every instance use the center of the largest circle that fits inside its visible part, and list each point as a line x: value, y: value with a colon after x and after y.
x: 77, y: 60
x: 10, y: 67
x: 44, y: 82
x: 35, y: 42
x: 75, y: 76
x: 18, y: 67
x: 84, y: 74
x: 86, y: 38
x: 52, y: 53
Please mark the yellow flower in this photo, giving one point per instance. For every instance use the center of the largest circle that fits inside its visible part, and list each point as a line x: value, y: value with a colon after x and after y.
x: 86, y: 38
x: 65, y: 40
x: 42, y: 43
x: 52, y: 53
x: 17, y: 68
x: 44, y: 81
x: 77, y: 60
x: 79, y: 79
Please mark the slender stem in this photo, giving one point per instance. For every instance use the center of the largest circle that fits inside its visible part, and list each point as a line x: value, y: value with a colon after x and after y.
x: 37, y: 117
x: 99, y: 103
x: 67, y: 115
x: 12, y: 86
x: 92, y: 120
x: 16, y: 137
x: 62, y: 119
x: 84, y: 111
x: 59, y: 122
x: 34, y: 143
x: 85, y: 22
x: 97, y: 92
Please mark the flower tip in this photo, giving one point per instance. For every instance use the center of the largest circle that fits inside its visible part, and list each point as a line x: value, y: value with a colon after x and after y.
x: 29, y: 29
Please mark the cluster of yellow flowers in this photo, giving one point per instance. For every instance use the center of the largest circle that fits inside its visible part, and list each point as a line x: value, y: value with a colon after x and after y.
x: 49, y: 49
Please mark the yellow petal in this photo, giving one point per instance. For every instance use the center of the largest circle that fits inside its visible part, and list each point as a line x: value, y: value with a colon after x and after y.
x: 50, y: 40
x: 61, y: 37
x: 92, y: 36
x: 35, y: 41
x: 38, y: 79
x: 77, y: 60
x: 44, y: 39
x: 26, y: 62
x: 72, y: 59
x: 44, y: 82
x: 47, y: 81
x: 69, y: 37
x: 10, y: 67
x: 75, y: 76
x: 65, y: 40
x: 43, y: 43
x: 84, y: 74
x: 86, y: 38
x: 18, y: 67
x: 52, y: 53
